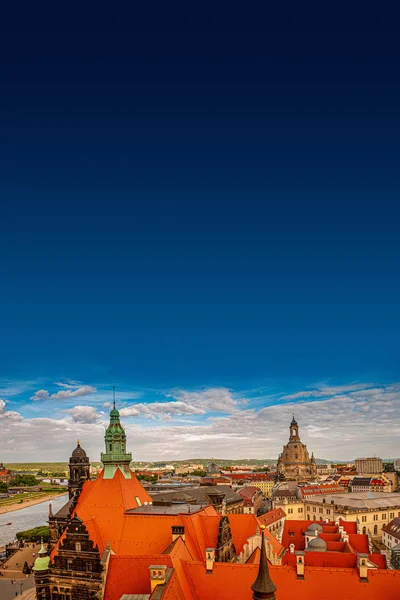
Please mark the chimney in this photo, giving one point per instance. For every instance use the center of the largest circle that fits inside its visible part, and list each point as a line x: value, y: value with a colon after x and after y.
x: 157, y: 575
x: 363, y: 567
x: 210, y: 559
x: 178, y: 531
x: 300, y: 564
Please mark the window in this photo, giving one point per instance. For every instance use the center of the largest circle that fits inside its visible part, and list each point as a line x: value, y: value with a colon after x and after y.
x: 300, y: 510
x: 375, y: 529
x: 69, y: 565
x: 375, y: 517
x: 384, y: 517
x: 78, y: 547
x: 320, y: 510
x: 328, y: 511
x: 364, y: 519
x: 308, y: 508
x: 291, y: 533
x: 364, y: 530
x: 314, y: 509
x: 391, y: 516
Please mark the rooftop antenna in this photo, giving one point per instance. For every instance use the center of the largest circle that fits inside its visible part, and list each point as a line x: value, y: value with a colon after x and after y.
x: 114, y: 395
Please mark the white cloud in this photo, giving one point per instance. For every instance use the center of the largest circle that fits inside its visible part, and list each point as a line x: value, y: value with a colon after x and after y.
x: 210, y: 399
x: 70, y: 392
x: 328, y: 391
x: 7, y: 415
x: 160, y: 410
x: 83, y: 414
x: 83, y: 390
x: 40, y: 395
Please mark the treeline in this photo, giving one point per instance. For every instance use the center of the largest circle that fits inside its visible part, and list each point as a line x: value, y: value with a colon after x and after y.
x: 34, y: 535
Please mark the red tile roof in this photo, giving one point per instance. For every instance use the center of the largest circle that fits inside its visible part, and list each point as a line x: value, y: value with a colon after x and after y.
x: 271, y: 517
x: 231, y: 581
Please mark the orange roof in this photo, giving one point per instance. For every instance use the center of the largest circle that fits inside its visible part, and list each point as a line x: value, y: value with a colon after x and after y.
x: 234, y: 581
x: 359, y: 543
x: 271, y: 517
x: 102, y: 505
x: 245, y: 526
x: 130, y: 574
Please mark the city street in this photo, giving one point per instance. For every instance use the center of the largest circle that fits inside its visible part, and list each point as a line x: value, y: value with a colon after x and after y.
x: 16, y: 563
x: 8, y: 590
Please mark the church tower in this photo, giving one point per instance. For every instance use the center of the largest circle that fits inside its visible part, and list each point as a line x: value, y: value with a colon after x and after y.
x: 115, y: 457
x: 79, y: 469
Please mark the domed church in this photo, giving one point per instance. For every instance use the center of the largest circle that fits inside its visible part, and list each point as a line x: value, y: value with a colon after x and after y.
x: 295, y: 463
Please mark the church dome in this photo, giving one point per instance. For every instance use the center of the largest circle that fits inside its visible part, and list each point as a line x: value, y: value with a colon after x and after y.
x: 317, y: 545
x: 213, y: 469
x: 79, y: 452
x: 294, y: 422
x: 313, y: 528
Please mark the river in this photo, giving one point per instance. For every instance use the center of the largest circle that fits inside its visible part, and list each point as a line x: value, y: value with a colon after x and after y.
x: 27, y: 518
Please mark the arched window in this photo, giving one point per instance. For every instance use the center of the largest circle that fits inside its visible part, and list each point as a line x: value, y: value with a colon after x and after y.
x: 364, y: 530
x: 78, y: 547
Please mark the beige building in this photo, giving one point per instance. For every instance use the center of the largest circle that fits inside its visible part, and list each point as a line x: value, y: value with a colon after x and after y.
x: 369, y: 465
x: 373, y: 511
x: 294, y: 509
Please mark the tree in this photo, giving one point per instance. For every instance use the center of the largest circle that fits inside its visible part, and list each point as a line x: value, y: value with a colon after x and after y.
x: 26, y: 569
x: 34, y: 535
x: 3, y: 487
x: 21, y: 480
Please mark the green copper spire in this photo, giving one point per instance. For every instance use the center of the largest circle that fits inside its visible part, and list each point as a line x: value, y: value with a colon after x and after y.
x: 115, y: 457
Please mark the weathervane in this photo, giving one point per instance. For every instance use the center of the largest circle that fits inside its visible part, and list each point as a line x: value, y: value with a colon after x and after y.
x: 114, y: 395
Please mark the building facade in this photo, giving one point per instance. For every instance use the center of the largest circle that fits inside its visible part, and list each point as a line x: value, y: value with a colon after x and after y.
x: 369, y: 465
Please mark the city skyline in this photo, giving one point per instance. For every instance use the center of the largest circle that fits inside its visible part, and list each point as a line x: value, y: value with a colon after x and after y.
x: 337, y: 422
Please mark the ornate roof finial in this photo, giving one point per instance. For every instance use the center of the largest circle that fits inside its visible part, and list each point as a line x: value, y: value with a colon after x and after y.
x: 263, y: 587
x: 42, y: 551
x: 79, y: 442
x: 114, y: 395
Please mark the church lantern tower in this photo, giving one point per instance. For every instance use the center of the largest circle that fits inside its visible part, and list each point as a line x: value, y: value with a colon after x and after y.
x: 79, y: 469
x: 115, y: 457
x: 294, y: 431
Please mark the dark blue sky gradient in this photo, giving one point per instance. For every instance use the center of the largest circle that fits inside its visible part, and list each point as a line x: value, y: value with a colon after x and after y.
x: 207, y: 207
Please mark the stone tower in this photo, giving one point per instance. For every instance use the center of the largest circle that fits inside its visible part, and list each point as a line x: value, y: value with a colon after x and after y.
x: 79, y: 470
x: 115, y: 457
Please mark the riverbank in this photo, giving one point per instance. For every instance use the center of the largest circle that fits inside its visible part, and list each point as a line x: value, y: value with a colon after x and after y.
x: 29, y: 502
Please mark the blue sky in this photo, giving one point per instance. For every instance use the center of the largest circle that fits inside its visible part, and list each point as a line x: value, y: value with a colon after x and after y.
x: 202, y: 218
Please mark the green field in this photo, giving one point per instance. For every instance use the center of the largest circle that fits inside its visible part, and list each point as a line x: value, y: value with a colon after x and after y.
x: 21, y: 499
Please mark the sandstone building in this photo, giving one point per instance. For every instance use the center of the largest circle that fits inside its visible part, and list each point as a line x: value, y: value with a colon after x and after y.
x: 295, y: 463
